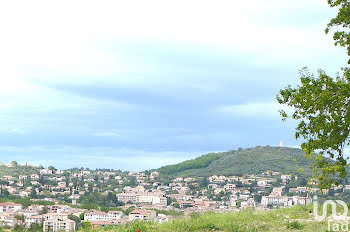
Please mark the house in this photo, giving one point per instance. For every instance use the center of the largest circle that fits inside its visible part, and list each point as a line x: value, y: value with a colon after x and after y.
x: 60, y: 208
x: 138, y: 189
x: 20, y: 184
x: 142, y: 215
x: 85, y: 172
x: 10, y: 206
x: 27, y: 213
x: 219, y: 190
x: 262, y: 183
x: 10, y: 221
x: 152, y: 198
x: 213, y: 186
x: 128, y: 197
x: 34, y: 177
x: 95, y: 216
x: 46, y: 171
x: 114, y: 215
x: 298, y: 190
x: 229, y: 187
x: 179, y: 179
x: 154, y: 175
x: 102, y: 216
x: 161, y: 218
x: 251, y: 202
x: 8, y: 178
x: 186, y: 204
x: 99, y: 224
x: 213, y: 178
x: 286, y: 178
x: 34, y: 182
x: 189, y: 179
x: 58, y: 224
x: 59, y: 172
x: 50, y: 216
x: 10, y: 189
x: 284, y: 200
x: 33, y: 219
x: 160, y: 201
x: 22, y: 177
x: 61, y: 185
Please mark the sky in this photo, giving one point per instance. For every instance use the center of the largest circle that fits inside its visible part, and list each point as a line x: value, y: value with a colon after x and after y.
x: 135, y: 85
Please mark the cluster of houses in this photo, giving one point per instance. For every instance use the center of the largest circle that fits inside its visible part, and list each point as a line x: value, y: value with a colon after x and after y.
x: 58, y: 217
x: 145, y: 192
x: 276, y: 198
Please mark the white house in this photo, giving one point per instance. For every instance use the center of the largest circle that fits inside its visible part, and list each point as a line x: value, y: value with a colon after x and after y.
x: 10, y: 206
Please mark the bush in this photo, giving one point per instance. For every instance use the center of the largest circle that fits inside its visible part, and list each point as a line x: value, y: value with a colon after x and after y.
x: 295, y: 225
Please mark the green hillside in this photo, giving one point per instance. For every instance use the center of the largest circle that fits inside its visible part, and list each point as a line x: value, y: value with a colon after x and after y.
x: 17, y: 170
x: 243, y: 161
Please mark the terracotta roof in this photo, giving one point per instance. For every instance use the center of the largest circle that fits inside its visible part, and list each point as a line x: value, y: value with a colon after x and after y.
x: 142, y: 212
x: 9, y: 204
x: 115, y: 212
x: 96, y: 213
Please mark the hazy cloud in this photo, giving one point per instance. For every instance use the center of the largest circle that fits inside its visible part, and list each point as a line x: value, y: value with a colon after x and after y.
x: 156, y: 82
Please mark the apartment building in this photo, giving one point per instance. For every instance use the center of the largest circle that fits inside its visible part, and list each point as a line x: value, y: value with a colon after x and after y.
x: 59, y: 224
x: 143, y: 215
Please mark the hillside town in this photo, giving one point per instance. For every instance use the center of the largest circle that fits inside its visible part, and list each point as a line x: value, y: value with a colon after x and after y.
x: 63, y: 200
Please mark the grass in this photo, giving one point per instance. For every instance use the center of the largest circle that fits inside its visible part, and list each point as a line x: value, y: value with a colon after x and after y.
x: 292, y: 219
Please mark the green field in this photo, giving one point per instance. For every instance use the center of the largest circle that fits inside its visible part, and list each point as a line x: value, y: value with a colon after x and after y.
x: 292, y: 219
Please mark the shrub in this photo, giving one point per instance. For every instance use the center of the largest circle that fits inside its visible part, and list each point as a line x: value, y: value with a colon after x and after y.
x: 295, y: 225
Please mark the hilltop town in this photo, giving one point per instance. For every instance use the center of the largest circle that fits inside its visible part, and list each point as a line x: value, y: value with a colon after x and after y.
x: 50, y: 199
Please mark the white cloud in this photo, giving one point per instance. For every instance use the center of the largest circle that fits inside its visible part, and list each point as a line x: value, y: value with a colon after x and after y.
x: 93, y: 157
x: 55, y: 42
x: 106, y: 134
x: 255, y: 109
x: 64, y: 42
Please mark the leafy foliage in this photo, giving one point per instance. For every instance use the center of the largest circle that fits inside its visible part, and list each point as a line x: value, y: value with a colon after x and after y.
x: 342, y: 23
x: 95, y: 198
x: 321, y: 106
x: 17, y: 170
x: 295, y: 225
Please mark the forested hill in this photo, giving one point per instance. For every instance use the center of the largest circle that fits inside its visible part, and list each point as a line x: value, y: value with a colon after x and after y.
x: 242, y: 161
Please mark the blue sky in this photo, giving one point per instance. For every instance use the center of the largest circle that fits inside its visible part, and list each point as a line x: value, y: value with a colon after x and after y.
x: 136, y: 85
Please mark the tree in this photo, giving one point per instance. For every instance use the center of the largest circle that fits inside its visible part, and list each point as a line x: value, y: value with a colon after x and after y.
x: 177, y: 205
x: 14, y: 163
x: 18, y: 228
x: 86, y: 225
x: 35, y: 227
x: 76, y: 219
x: 90, y: 187
x: 33, y: 194
x: 52, y: 168
x: 203, y: 183
x: 5, y: 193
x: 321, y: 106
x: 20, y: 217
x: 170, y: 200
x: 44, y: 211
x: 342, y: 23
x: 81, y: 216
